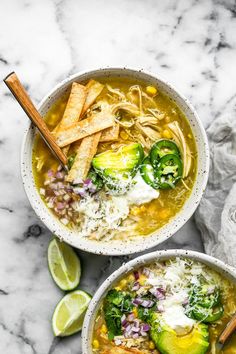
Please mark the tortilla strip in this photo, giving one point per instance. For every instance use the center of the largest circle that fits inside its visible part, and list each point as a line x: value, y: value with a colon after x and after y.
x: 110, y: 134
x: 79, y: 130
x: 83, y: 159
x: 74, y: 107
x: 87, y: 147
x: 94, y: 89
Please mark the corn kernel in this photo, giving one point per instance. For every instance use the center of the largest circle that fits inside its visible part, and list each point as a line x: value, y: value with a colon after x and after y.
x: 151, y: 90
x: 166, y: 134
x: 104, y: 329
x: 135, y: 312
x: 164, y: 213
x: 142, y: 208
x: 152, y: 209
x: 151, y: 345
x: 95, y: 344
x: 142, y: 279
x: 134, y: 211
x: 118, y: 288
x: 131, y: 278
x: 123, y: 283
x: 190, y: 136
x: 167, y: 119
x: 124, y: 135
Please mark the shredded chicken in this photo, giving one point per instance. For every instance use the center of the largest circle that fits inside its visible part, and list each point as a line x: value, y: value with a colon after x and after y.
x: 184, y: 148
x: 126, y: 106
x: 116, y: 92
x: 148, y: 131
x: 156, y: 113
x: 149, y: 120
x: 136, y: 89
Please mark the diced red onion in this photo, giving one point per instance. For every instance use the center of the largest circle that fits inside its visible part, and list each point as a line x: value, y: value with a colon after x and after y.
x: 145, y: 327
x: 159, y: 293
x: 135, y: 329
x: 87, y: 181
x: 128, y: 328
x: 60, y: 206
x: 123, y: 318
x: 136, y: 286
x: 130, y: 317
x: 135, y: 336
x: 147, y: 303
x: 143, y: 334
x: 59, y: 175
x: 126, y: 324
x: 137, y: 301
x: 92, y: 189
x: 80, y: 191
x: 50, y: 173
x: 146, y: 271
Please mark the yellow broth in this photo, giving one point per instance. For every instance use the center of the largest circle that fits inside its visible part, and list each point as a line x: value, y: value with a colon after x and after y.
x: 150, y: 216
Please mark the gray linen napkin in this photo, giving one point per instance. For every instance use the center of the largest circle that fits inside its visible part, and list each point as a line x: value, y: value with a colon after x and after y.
x: 216, y: 215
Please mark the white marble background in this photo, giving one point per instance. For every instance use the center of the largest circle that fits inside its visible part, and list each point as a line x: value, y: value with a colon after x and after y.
x: 191, y: 43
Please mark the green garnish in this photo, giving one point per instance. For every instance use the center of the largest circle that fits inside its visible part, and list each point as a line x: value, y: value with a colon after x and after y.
x: 116, y: 304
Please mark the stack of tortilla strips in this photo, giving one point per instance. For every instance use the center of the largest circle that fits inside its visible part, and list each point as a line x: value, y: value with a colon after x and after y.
x: 82, y: 130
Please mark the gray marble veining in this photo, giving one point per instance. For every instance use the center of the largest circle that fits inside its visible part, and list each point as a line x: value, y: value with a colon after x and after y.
x: 190, y: 43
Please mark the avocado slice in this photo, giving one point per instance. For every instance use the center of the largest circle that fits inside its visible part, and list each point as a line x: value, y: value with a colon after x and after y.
x: 168, y: 342
x: 126, y: 157
x: 117, y: 166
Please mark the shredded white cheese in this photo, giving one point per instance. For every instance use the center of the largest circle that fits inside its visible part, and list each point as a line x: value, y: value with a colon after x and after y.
x: 103, y: 213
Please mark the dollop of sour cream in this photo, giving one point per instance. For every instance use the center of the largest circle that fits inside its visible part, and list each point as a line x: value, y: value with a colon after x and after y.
x: 176, y: 319
x: 140, y: 192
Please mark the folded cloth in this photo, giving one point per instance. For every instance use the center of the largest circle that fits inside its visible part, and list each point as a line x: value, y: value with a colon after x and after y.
x: 216, y: 215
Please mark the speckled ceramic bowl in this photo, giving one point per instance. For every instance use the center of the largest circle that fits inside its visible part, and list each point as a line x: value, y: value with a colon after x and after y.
x: 94, y: 305
x: 118, y: 247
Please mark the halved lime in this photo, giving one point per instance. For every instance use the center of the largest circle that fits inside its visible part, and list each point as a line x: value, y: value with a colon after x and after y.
x: 64, y: 265
x: 69, y: 314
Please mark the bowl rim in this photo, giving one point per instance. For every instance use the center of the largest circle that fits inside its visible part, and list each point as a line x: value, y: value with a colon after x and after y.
x: 107, y: 248
x: 223, y: 268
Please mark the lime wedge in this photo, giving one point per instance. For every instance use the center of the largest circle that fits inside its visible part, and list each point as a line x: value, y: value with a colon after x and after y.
x: 69, y: 314
x: 64, y: 265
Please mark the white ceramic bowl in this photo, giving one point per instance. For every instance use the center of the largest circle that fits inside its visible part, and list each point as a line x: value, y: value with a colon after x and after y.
x: 118, y: 247
x: 95, y: 303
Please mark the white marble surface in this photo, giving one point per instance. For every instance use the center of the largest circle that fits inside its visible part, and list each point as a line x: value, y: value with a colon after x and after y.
x: 190, y: 43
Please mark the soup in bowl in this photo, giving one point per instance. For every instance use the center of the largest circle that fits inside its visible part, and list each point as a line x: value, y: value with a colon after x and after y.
x: 137, y: 162
x: 168, y: 302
